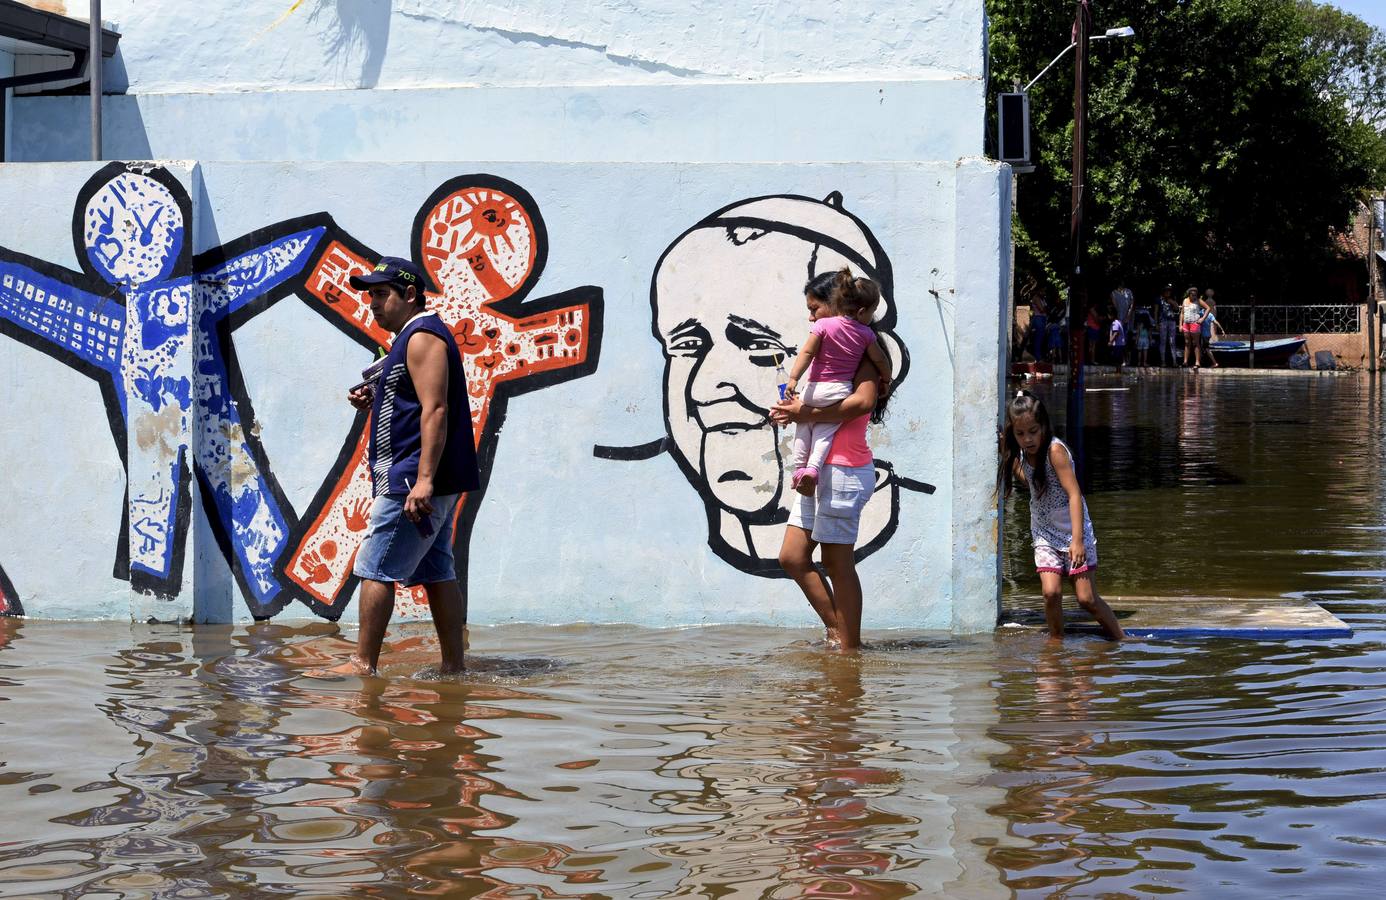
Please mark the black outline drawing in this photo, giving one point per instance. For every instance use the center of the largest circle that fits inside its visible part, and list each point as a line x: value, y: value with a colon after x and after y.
x: 11, y: 597
x: 736, y: 227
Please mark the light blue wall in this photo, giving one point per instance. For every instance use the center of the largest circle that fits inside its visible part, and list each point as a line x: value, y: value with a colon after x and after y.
x: 173, y: 46
x: 657, y: 80
x: 562, y: 535
x: 627, y: 124
x: 819, y: 121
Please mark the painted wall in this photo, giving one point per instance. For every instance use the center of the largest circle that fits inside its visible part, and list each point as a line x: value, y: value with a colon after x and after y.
x: 722, y: 122
x: 175, y: 342
x: 171, y: 46
x: 546, y: 80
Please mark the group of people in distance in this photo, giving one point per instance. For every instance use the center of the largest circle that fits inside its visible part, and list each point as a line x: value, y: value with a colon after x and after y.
x: 1119, y: 331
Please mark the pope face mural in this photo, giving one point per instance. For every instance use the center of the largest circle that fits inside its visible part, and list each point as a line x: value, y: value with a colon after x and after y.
x: 727, y: 307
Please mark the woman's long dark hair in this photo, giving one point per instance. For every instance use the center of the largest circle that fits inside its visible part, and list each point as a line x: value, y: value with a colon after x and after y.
x: 844, y: 295
x: 1024, y: 403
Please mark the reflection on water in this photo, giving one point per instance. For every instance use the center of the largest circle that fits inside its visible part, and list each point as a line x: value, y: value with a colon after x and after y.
x: 156, y: 761
x: 1217, y: 768
x: 159, y: 761
x: 1221, y: 485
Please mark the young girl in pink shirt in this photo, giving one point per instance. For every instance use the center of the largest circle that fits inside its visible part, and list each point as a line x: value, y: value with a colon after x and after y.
x: 838, y: 339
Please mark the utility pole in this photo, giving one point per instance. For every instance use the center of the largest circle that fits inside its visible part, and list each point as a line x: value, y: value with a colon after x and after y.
x: 94, y: 62
x: 1077, y: 278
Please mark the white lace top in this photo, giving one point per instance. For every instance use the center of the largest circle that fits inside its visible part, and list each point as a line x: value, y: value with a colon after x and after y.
x: 1050, y: 525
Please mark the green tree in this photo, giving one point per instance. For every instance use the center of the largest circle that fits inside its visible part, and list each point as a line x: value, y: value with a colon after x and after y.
x: 1216, y: 155
x: 1356, y: 60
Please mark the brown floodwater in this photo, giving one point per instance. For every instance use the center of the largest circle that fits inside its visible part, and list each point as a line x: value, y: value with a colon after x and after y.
x: 577, y: 761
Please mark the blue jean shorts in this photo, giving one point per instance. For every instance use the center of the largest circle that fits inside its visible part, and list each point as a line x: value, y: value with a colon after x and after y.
x: 396, y: 551
x: 833, y: 514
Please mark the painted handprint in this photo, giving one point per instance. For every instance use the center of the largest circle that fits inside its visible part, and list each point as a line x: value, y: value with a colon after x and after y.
x: 483, y: 244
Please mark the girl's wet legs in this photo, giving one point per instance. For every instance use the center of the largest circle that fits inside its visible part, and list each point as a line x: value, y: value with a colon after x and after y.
x: 1052, y: 586
x: 1095, y: 606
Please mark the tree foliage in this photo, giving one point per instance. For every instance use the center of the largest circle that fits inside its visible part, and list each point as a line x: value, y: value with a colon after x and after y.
x: 1355, y: 53
x: 1224, y: 144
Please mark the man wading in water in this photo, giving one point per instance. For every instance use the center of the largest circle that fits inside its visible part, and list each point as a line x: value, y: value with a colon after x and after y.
x: 422, y: 459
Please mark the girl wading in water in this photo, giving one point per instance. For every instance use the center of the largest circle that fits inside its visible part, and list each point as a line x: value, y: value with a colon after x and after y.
x: 1059, y: 523
x: 829, y: 513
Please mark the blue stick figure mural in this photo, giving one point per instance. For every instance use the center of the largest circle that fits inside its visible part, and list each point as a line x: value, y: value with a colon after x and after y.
x: 147, y: 323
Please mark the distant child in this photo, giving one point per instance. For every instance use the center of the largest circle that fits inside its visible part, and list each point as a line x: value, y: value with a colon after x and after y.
x: 1116, y: 343
x: 1145, y: 330
x: 1059, y: 523
x: 840, y: 308
x: 1210, y: 328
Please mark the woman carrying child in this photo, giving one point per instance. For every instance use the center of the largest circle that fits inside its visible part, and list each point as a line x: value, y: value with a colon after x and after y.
x: 828, y: 515
x: 840, y: 336
x: 1059, y: 524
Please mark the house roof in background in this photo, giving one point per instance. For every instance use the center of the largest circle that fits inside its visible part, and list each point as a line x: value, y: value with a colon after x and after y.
x: 41, y: 29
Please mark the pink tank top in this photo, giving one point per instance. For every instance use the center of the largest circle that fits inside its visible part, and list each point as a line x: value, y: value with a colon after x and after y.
x: 844, y: 343
x: 849, y: 447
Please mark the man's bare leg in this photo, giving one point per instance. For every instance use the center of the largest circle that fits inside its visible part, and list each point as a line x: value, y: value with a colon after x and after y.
x: 841, y: 564
x: 449, y: 613
x: 375, y: 607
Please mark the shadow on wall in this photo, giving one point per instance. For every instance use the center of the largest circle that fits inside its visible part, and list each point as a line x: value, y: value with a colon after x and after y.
x: 356, y: 22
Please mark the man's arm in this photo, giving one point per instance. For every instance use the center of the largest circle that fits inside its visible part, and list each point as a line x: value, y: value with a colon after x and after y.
x: 427, y: 360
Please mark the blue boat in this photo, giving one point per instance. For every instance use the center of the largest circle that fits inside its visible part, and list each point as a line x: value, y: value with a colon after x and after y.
x: 1268, y: 353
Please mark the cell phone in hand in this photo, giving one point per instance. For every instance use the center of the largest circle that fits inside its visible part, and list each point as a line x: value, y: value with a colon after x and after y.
x: 425, y: 526
x: 369, y: 375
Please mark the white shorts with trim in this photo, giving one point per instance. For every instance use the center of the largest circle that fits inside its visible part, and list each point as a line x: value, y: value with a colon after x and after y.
x: 833, y: 514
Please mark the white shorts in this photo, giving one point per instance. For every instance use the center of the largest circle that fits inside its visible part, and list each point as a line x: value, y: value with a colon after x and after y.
x: 833, y: 514
x: 1051, y: 559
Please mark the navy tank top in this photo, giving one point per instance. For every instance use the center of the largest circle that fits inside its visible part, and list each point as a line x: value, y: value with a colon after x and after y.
x: 396, y: 439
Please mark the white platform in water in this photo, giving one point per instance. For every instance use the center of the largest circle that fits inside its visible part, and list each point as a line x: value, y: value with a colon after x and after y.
x: 1236, y: 617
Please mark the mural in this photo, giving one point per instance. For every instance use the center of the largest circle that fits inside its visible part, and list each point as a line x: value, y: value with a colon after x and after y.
x: 152, y: 325
x: 727, y: 308
x: 129, y: 321
x: 482, y: 242
x: 9, y: 598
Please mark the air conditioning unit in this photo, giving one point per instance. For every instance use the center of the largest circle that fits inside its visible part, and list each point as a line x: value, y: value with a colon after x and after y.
x: 1013, y: 130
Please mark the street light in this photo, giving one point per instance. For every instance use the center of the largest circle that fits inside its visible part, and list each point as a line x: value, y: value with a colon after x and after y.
x: 1015, y: 108
x: 1123, y: 31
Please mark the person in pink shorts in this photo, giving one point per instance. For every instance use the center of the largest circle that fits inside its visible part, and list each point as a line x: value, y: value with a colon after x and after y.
x: 840, y: 336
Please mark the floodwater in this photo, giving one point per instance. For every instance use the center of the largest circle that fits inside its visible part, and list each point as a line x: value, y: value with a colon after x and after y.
x: 159, y: 761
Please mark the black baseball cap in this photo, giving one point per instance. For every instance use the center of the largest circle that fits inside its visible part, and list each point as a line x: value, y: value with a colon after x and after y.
x: 392, y: 270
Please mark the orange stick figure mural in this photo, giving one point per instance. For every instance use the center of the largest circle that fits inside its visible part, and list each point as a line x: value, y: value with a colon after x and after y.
x: 482, y: 242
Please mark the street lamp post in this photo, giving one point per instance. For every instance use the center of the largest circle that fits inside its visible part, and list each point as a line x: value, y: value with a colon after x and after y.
x: 1077, y: 278
x: 1077, y: 282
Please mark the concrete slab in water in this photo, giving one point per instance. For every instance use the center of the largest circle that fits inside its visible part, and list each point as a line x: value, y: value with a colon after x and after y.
x: 1235, y: 617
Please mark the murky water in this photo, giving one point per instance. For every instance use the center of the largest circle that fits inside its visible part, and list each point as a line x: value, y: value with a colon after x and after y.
x: 158, y: 761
